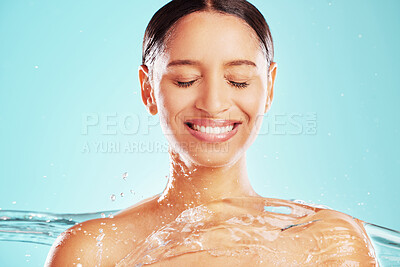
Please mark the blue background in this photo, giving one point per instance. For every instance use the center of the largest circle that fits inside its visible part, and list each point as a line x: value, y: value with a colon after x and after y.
x: 331, y: 136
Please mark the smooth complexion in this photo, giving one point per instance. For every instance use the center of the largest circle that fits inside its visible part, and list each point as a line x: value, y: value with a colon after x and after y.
x: 212, y: 68
x: 210, y: 72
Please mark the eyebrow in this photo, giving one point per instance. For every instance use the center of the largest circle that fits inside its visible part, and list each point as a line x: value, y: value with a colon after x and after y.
x: 183, y: 62
x: 240, y: 62
x: 187, y: 62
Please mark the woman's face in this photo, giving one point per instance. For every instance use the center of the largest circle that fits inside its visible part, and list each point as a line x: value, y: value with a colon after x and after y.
x: 213, y: 72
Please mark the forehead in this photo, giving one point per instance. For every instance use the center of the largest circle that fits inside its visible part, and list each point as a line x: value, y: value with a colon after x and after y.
x: 211, y: 35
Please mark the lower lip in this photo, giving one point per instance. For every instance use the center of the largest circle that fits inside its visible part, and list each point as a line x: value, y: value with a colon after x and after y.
x: 213, y: 138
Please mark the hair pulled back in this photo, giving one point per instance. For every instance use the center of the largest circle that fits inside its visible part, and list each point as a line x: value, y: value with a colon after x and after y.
x: 166, y: 17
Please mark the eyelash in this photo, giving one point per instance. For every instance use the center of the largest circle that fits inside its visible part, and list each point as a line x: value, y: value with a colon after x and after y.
x: 239, y: 85
x: 235, y: 84
x: 185, y: 84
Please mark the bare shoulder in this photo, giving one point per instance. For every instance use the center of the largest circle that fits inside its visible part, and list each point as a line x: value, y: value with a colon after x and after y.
x: 339, y: 222
x: 343, y: 237
x: 88, y: 243
x: 101, y: 242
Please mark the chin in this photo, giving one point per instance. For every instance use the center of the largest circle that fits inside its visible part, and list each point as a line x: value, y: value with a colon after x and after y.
x: 213, y: 156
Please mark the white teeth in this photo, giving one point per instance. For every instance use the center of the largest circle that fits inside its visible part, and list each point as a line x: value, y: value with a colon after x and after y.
x: 212, y: 130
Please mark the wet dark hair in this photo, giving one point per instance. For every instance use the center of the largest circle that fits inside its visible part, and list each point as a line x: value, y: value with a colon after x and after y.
x: 166, y: 17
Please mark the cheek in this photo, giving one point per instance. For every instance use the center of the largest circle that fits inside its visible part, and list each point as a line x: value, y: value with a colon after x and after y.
x: 169, y: 105
x: 253, y: 102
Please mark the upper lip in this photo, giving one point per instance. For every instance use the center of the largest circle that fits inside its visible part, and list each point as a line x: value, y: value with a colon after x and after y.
x: 212, y: 122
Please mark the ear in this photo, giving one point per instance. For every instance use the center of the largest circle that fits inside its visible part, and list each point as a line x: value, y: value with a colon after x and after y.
x: 270, y: 88
x: 147, y: 91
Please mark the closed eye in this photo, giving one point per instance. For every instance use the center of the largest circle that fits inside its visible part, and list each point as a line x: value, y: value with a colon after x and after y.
x: 235, y: 84
x: 185, y: 84
x: 238, y: 85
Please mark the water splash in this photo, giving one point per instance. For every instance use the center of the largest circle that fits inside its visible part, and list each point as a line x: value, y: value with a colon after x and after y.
x: 238, y: 230
x: 386, y: 243
x: 40, y: 227
x: 43, y: 228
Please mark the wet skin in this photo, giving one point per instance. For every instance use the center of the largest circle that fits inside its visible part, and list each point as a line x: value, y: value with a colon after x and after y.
x: 347, y: 245
x: 212, y: 67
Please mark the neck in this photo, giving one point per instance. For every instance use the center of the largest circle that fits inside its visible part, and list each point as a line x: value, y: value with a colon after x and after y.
x: 193, y: 185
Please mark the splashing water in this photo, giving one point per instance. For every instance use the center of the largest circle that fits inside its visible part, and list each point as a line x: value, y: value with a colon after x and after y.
x: 234, y: 231
x: 40, y: 227
x: 191, y: 228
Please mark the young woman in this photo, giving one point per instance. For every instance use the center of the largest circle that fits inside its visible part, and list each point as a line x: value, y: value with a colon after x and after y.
x: 208, y: 72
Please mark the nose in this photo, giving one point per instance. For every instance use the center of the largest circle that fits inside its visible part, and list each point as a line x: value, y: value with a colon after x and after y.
x: 213, y: 98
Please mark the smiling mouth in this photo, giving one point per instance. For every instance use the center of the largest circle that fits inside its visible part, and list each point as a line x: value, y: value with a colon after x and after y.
x: 212, y: 130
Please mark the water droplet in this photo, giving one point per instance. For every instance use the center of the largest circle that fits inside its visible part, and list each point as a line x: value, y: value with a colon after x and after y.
x: 14, y: 202
x: 44, y: 176
x: 360, y: 35
x: 27, y: 255
x: 125, y: 175
x: 112, y: 197
x: 341, y: 94
x: 36, y: 67
x: 329, y: 134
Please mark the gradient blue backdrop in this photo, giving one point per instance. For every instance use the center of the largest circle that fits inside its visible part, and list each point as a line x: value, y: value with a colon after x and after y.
x: 331, y: 137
